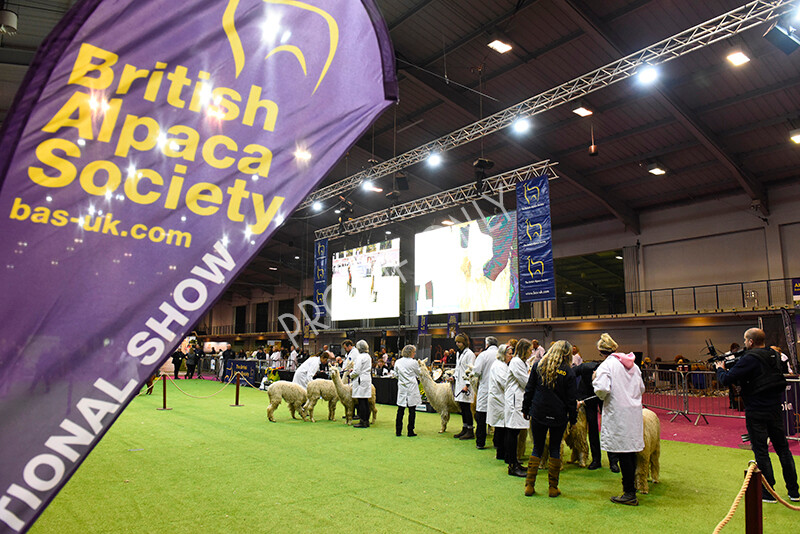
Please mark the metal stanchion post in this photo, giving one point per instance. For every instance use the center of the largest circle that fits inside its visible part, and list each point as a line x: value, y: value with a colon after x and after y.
x: 164, y: 381
x: 238, y: 374
x: 753, y: 517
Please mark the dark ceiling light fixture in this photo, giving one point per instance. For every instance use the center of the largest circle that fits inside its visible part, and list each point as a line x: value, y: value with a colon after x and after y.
x: 593, y: 150
x: 481, y: 165
x: 8, y: 21
x: 783, y: 35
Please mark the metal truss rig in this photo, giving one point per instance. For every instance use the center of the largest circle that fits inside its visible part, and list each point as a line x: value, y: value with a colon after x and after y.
x: 716, y: 29
x: 438, y: 202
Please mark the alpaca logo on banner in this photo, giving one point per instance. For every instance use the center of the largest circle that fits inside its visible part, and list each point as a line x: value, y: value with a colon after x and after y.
x: 536, y: 276
x: 151, y: 153
x: 320, y: 274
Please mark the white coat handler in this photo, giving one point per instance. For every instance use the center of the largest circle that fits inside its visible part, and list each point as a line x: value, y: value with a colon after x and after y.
x: 361, y: 380
x: 408, y: 396
x: 618, y: 383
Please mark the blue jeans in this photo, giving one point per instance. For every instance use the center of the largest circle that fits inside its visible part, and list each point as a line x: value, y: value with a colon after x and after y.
x: 761, y: 425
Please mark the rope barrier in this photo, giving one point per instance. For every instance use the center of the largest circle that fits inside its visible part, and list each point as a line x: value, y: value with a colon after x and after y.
x: 146, y: 387
x: 246, y: 381
x: 195, y: 396
x: 772, y: 492
x: 738, y: 498
x: 741, y: 493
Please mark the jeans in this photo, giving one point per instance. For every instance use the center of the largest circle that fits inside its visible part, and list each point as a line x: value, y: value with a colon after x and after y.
x: 760, y: 426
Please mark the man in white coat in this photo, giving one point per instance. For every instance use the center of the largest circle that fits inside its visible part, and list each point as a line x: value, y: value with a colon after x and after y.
x: 483, y: 364
x: 293, y: 359
x: 305, y: 373
x: 462, y: 391
x: 350, y: 354
x: 361, y: 381
x: 618, y: 383
x: 407, y: 370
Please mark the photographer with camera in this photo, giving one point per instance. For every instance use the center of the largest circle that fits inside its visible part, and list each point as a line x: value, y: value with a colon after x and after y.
x: 760, y: 374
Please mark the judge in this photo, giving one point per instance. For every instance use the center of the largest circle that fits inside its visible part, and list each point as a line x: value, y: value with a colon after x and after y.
x: 408, y: 396
x: 361, y: 380
x: 310, y: 367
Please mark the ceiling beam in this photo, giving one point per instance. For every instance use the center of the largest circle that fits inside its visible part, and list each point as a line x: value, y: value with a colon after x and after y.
x: 625, y: 214
x: 581, y: 13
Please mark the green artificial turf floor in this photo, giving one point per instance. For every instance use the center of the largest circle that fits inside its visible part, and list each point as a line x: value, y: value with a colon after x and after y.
x: 205, y: 466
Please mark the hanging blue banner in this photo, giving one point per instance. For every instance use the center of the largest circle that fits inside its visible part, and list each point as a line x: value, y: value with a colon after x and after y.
x: 537, y: 279
x: 320, y: 274
x: 422, y: 325
x: 452, y: 325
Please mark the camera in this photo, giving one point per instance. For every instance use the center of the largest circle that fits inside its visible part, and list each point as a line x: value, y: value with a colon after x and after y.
x: 729, y: 358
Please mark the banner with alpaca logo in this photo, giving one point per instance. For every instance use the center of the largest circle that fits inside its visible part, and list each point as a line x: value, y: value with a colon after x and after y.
x: 536, y: 275
x: 152, y: 150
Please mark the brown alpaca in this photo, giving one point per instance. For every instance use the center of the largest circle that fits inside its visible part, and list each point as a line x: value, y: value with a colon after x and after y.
x: 576, y: 438
x: 440, y: 396
x: 345, y: 394
x: 647, y: 461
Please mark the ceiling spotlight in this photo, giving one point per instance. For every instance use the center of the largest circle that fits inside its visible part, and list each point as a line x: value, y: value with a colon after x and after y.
x: 738, y: 58
x: 582, y: 110
x: 368, y: 186
x: 794, y: 135
x: 447, y: 222
x: 388, y: 232
x: 656, y: 168
x: 618, y: 257
x: 648, y: 75
x: 273, y: 268
x: 499, y: 46
x: 297, y: 257
x: 568, y: 292
x: 783, y: 36
x: 337, y: 212
x: 435, y: 159
x: 8, y: 22
x: 317, y: 205
x: 521, y: 125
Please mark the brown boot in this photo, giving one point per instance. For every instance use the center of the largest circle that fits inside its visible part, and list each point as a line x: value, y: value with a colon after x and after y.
x: 552, y: 476
x: 530, y: 479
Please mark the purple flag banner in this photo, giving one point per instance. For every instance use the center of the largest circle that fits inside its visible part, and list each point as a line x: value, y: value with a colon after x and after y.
x: 152, y: 150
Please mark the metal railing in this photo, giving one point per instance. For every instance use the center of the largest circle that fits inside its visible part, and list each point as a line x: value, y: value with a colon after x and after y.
x: 692, y: 391
x: 712, y: 297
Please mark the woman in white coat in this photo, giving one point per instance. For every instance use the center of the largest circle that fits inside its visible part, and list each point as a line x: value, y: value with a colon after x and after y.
x: 516, y: 381
x: 463, y: 394
x: 618, y: 383
x: 408, y: 396
x: 496, y: 402
x: 361, y: 380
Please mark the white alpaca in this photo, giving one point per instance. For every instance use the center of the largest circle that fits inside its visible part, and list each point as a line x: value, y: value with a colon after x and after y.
x: 648, y: 460
x: 345, y: 394
x: 440, y: 396
x: 293, y: 394
x: 321, y: 388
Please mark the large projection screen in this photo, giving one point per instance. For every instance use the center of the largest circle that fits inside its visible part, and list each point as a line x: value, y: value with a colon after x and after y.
x: 365, y: 283
x: 469, y: 266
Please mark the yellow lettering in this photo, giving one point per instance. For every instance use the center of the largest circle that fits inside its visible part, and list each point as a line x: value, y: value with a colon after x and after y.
x: 197, y: 193
x: 114, y: 177
x: 254, y: 104
x: 60, y: 218
x: 227, y: 97
x: 210, y: 146
x: 128, y: 76
x: 40, y: 215
x: 127, y: 136
x: 256, y: 165
x: 84, y: 64
x: 132, y: 189
x: 78, y: 104
x: 187, y: 145
x: 44, y: 153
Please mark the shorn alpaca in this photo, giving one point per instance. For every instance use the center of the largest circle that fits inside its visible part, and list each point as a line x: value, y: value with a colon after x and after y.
x: 345, y: 394
x: 647, y: 461
x: 440, y: 396
x: 321, y: 388
x: 293, y: 394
